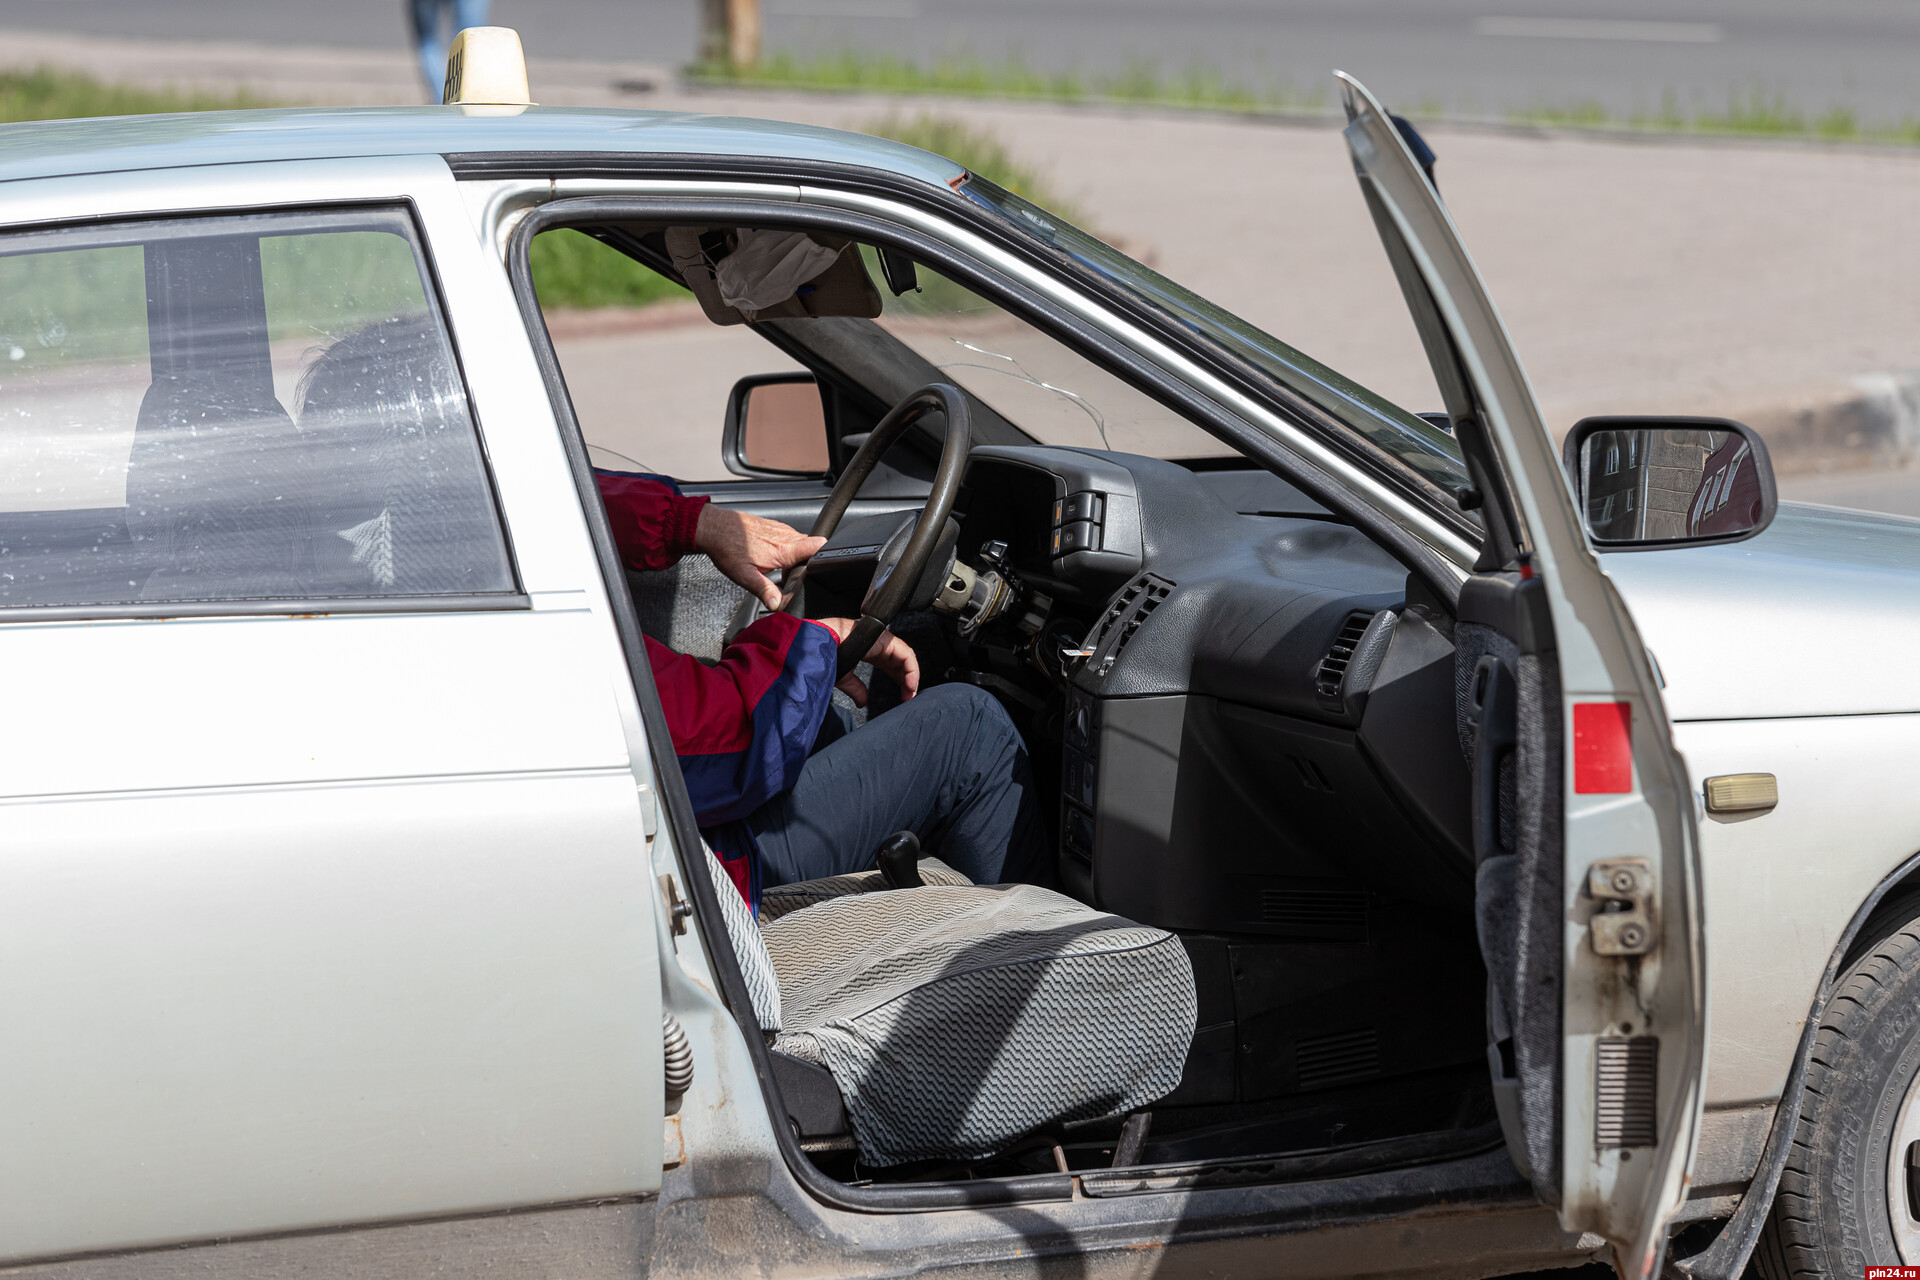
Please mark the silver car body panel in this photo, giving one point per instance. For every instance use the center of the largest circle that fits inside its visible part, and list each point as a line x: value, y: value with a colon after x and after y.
x: 61, y: 148
x: 1818, y: 616
x: 330, y: 918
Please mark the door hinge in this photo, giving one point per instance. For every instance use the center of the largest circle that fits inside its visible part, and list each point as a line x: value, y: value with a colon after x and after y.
x: 1622, y: 890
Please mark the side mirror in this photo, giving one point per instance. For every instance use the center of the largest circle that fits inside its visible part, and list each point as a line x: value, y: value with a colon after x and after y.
x: 1647, y: 483
x: 776, y: 427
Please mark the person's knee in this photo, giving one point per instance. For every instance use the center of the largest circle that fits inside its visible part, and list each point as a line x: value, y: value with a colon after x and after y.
x: 969, y: 710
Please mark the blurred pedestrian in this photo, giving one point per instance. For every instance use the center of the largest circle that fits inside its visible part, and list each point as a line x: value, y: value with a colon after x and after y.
x: 430, y: 42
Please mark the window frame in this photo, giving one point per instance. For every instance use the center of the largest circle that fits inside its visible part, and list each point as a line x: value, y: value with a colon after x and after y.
x: 1006, y: 289
x: 514, y: 599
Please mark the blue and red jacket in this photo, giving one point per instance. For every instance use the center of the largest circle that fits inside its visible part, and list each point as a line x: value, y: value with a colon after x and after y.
x: 743, y: 726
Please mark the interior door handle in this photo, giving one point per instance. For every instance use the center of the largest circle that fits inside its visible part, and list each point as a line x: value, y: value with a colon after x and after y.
x: 1496, y: 733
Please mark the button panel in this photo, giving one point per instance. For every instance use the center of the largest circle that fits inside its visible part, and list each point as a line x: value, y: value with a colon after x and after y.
x: 1078, y: 506
x: 1077, y: 522
x: 1081, y: 535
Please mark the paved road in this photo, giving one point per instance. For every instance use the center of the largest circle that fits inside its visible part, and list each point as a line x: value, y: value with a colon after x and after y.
x: 1473, y: 56
x: 1894, y: 491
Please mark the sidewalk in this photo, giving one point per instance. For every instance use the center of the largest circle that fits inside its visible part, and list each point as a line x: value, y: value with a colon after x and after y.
x: 1773, y: 283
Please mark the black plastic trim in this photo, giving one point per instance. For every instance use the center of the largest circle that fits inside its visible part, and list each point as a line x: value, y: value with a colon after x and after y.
x: 1333, y: 1162
x: 1726, y: 1258
x: 158, y: 610
x: 1143, y: 375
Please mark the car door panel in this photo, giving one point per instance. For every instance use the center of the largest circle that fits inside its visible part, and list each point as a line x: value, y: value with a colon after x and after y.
x: 323, y: 917
x: 271, y: 1008
x: 1615, y: 1087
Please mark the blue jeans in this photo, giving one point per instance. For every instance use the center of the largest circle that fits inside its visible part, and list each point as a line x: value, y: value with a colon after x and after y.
x: 948, y: 766
x: 431, y: 44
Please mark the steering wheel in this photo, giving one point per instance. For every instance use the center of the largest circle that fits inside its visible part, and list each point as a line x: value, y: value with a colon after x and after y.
x: 903, y: 561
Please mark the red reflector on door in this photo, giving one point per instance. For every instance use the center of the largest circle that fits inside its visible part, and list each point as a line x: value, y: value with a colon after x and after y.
x: 1602, y: 748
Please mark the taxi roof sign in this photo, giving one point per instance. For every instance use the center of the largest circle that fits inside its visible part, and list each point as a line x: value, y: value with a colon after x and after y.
x: 486, y: 67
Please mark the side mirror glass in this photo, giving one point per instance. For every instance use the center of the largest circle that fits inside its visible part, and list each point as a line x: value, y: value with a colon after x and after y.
x: 1647, y: 483
x: 776, y: 427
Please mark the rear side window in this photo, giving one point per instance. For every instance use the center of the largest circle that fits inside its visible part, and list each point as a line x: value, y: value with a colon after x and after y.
x: 234, y: 409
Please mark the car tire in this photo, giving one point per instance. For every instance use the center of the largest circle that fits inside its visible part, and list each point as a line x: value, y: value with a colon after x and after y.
x: 1848, y: 1198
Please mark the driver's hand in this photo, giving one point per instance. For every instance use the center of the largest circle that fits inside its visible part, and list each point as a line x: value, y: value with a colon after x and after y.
x: 889, y: 653
x: 747, y: 548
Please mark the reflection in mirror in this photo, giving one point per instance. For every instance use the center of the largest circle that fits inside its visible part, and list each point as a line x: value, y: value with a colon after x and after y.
x: 1670, y: 484
x: 784, y: 428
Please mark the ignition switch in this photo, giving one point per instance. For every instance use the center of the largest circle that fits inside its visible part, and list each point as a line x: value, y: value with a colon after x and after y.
x: 1622, y: 890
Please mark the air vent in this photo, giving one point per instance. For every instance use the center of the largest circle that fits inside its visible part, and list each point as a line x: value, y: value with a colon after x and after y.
x: 1334, y: 914
x: 1123, y: 618
x: 1333, y: 667
x: 1336, y: 1059
x: 1626, y: 1070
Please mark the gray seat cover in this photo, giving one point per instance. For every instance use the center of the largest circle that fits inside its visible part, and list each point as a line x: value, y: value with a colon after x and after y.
x: 784, y: 898
x: 958, y: 1018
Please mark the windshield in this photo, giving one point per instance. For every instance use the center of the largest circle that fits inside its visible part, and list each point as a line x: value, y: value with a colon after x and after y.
x: 1430, y: 451
x: 1041, y: 385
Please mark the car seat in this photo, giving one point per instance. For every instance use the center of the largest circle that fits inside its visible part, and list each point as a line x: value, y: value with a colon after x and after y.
x: 956, y: 1018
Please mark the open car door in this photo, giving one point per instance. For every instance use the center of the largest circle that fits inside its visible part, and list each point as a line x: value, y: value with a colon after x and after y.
x: 1587, y: 883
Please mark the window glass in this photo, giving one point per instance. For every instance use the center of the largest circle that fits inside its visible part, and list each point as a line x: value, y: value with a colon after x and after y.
x: 1420, y: 445
x: 648, y: 373
x: 1036, y: 382
x: 227, y: 409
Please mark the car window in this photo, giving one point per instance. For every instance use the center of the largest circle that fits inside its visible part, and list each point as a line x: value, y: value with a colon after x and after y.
x: 647, y: 372
x: 1035, y: 381
x: 248, y: 408
x: 1431, y: 452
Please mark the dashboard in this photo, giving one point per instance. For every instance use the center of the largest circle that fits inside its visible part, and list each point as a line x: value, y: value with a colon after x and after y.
x: 1241, y: 714
x: 1182, y: 639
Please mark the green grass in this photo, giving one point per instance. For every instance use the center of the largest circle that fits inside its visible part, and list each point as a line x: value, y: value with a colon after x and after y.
x: 967, y: 76
x: 1754, y: 114
x: 47, y: 94
x: 571, y: 269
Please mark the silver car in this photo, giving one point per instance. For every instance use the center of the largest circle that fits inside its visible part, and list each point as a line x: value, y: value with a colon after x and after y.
x: 353, y: 917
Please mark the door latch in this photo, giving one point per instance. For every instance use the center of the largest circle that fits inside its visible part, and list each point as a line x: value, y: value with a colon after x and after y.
x: 678, y: 908
x: 1622, y: 890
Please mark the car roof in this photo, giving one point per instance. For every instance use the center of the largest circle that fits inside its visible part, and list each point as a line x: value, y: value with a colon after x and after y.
x: 118, y: 144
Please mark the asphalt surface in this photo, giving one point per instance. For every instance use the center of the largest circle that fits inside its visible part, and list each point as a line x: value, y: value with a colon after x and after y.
x: 1479, y: 57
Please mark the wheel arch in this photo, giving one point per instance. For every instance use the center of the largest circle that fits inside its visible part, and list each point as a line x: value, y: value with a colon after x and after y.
x: 1872, y: 920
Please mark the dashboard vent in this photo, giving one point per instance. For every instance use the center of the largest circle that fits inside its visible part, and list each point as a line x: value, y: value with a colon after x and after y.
x: 1333, y: 667
x: 1123, y: 618
x: 1338, y: 1058
x: 1333, y: 914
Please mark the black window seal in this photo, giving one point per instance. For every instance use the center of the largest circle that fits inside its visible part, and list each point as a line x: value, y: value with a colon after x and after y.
x: 514, y: 598
x: 277, y: 606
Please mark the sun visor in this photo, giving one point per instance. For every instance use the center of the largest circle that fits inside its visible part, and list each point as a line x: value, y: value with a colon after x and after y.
x: 791, y: 275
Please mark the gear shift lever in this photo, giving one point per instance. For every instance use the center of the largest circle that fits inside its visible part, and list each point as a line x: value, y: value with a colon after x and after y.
x: 899, y: 861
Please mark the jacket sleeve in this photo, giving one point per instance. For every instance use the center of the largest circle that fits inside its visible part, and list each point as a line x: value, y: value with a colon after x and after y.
x: 743, y: 726
x: 653, y: 522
